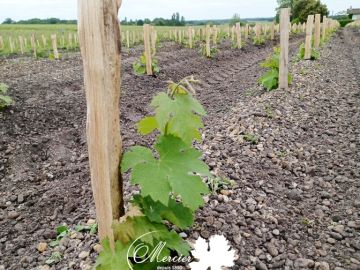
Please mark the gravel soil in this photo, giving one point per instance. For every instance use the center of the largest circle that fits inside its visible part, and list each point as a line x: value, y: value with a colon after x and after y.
x: 297, y: 202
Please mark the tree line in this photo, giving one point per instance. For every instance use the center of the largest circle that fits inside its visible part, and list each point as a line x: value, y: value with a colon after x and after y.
x: 40, y: 21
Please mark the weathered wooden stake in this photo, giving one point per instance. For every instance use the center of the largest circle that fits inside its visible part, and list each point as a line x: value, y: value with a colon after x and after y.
x: 317, y: 33
x: 308, y: 40
x: 208, y: 36
x: 258, y: 30
x: 11, y: 45
x: 1, y: 43
x: 215, y: 34
x: 238, y: 35
x: 246, y: 32
x: 153, y: 38
x: 54, y: 45
x: 324, y: 26
x: 70, y: 42
x: 272, y: 31
x: 33, y: 44
x: 44, y: 40
x: 190, y: 34
x: 233, y: 33
x: 99, y: 36
x: 147, y: 49
x: 21, y: 43
x: 284, y: 48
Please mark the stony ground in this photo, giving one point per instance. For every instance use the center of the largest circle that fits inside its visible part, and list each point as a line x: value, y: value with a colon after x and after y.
x: 297, y: 202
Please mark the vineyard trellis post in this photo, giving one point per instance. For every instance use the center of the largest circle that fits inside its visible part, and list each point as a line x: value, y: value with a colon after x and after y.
x: 317, y: 33
x: 238, y: 35
x: 208, y: 36
x: 99, y: 37
x: 54, y: 46
x: 147, y: 49
x: 33, y: 44
x: 324, y: 24
x: 284, y: 48
x: 308, y: 40
x: 272, y: 31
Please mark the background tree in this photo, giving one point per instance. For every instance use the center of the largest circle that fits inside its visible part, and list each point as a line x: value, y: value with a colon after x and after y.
x: 8, y: 21
x: 300, y: 9
x: 235, y: 19
x: 303, y: 8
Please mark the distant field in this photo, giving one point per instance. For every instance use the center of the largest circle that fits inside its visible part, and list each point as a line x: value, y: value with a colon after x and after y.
x: 10, y: 33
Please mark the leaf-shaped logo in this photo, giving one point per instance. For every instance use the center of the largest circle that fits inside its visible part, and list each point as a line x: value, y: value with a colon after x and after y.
x: 215, y: 254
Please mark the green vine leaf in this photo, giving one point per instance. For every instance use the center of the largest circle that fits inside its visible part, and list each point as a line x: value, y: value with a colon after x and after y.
x: 108, y: 260
x: 176, y: 213
x: 177, y: 171
x: 180, y: 116
x: 150, y: 233
x: 147, y: 125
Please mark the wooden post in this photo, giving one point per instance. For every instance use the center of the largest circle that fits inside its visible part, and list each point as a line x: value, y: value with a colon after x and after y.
x: 133, y: 35
x: 21, y: 43
x: 63, y: 40
x: 308, y: 40
x: 44, y: 40
x: 190, y: 33
x: 284, y: 48
x: 147, y: 48
x: 233, y: 33
x: 208, y: 36
x: 33, y: 44
x: 99, y: 36
x: 272, y: 31
x: 1, y: 43
x: 324, y: 25
x: 215, y: 34
x: 70, y: 41
x: 11, y: 45
x: 238, y: 35
x: 258, y: 30
x: 153, y: 38
x: 317, y: 33
x: 246, y: 32
x: 54, y: 46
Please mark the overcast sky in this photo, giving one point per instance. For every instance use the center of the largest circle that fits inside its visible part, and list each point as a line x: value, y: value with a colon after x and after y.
x: 134, y: 9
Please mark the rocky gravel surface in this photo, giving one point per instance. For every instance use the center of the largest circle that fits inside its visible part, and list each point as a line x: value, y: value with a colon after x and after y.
x: 293, y: 154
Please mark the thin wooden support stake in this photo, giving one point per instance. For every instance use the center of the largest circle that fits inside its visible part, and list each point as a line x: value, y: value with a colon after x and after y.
x: 308, y: 40
x: 1, y: 43
x: 284, y: 48
x: 208, y: 36
x: 238, y: 35
x: 147, y: 49
x: 317, y: 33
x: 33, y: 44
x: 21, y: 43
x: 54, y: 46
